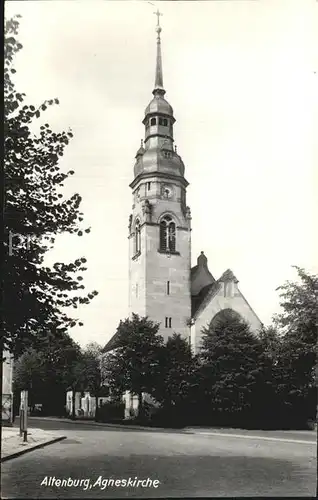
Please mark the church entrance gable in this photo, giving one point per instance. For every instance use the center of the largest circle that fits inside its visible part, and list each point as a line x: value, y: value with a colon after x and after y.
x: 235, y: 303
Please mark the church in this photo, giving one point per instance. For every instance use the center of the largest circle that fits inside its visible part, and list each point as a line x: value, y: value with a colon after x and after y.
x: 162, y: 283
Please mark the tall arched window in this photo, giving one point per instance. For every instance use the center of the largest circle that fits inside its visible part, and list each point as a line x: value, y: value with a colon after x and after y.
x: 137, y: 237
x: 167, y: 234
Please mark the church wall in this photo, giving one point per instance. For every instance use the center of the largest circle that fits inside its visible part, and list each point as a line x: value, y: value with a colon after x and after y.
x: 192, y: 337
x: 137, y: 277
x: 151, y: 270
x: 162, y: 206
x: 161, y: 268
x: 234, y: 301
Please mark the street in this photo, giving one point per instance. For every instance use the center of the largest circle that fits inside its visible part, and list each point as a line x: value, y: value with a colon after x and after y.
x: 188, y: 465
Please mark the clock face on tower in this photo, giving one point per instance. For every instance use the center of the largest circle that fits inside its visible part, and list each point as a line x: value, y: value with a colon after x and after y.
x: 167, y: 191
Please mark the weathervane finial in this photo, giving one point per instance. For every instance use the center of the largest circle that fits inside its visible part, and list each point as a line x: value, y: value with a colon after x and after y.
x: 159, y: 78
x: 158, y: 28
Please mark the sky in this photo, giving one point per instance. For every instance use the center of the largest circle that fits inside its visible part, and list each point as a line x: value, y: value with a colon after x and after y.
x: 241, y: 77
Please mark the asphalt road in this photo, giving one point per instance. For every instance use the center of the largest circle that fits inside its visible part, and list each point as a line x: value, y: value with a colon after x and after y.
x: 188, y: 465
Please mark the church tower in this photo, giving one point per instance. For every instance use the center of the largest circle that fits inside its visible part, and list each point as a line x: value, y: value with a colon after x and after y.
x: 160, y: 223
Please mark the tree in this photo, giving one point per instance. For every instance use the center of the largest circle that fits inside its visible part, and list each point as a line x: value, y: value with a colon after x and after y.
x: 35, y: 212
x: 93, y: 374
x: 232, y: 365
x: 77, y: 379
x: 47, y: 372
x: 297, y: 354
x: 135, y: 364
x: 111, y: 375
x: 175, y: 384
x: 30, y: 374
x: 271, y: 342
x: 299, y: 300
x: 176, y: 364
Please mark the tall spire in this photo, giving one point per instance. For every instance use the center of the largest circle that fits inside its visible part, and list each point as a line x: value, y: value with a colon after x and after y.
x: 159, y: 78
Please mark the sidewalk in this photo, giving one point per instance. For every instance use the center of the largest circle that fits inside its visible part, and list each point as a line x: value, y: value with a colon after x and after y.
x: 12, y: 444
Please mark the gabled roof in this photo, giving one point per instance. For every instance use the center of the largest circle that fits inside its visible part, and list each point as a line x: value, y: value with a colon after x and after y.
x: 193, y: 270
x: 197, y: 301
x: 251, y: 308
x: 200, y: 275
x: 112, y: 344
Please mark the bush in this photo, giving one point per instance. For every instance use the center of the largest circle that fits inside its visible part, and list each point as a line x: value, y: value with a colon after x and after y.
x: 36, y: 410
x: 111, y: 411
x: 173, y: 417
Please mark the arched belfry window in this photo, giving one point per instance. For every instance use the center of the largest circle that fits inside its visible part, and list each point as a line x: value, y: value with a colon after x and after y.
x: 163, y: 121
x: 153, y: 121
x: 167, y: 234
x: 137, y: 237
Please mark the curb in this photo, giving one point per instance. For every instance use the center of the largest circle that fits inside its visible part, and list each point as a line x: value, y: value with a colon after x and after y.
x: 120, y: 426
x: 31, y: 448
x: 143, y: 428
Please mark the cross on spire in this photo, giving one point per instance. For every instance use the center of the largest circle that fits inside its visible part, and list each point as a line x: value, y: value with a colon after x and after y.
x: 158, y: 14
x: 159, y: 78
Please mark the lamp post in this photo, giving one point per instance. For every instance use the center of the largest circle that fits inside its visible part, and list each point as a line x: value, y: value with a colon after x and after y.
x: 24, y: 416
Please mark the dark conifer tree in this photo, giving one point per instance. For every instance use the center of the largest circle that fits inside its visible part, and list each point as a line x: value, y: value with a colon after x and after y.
x: 232, y: 369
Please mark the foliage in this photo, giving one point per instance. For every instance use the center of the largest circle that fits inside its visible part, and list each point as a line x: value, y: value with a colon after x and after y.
x: 176, y: 366
x: 265, y: 380
x: 111, y: 411
x: 135, y: 365
x: 271, y: 342
x: 93, y: 376
x: 48, y: 371
x: 50, y: 364
x: 30, y: 370
x: 290, y: 344
x: 299, y: 302
x: 92, y: 371
x: 60, y: 365
x: 297, y: 351
x: 35, y: 212
x: 111, y: 375
x: 232, y: 364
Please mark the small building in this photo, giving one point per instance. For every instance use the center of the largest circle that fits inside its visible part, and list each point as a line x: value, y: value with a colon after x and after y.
x: 85, y: 404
